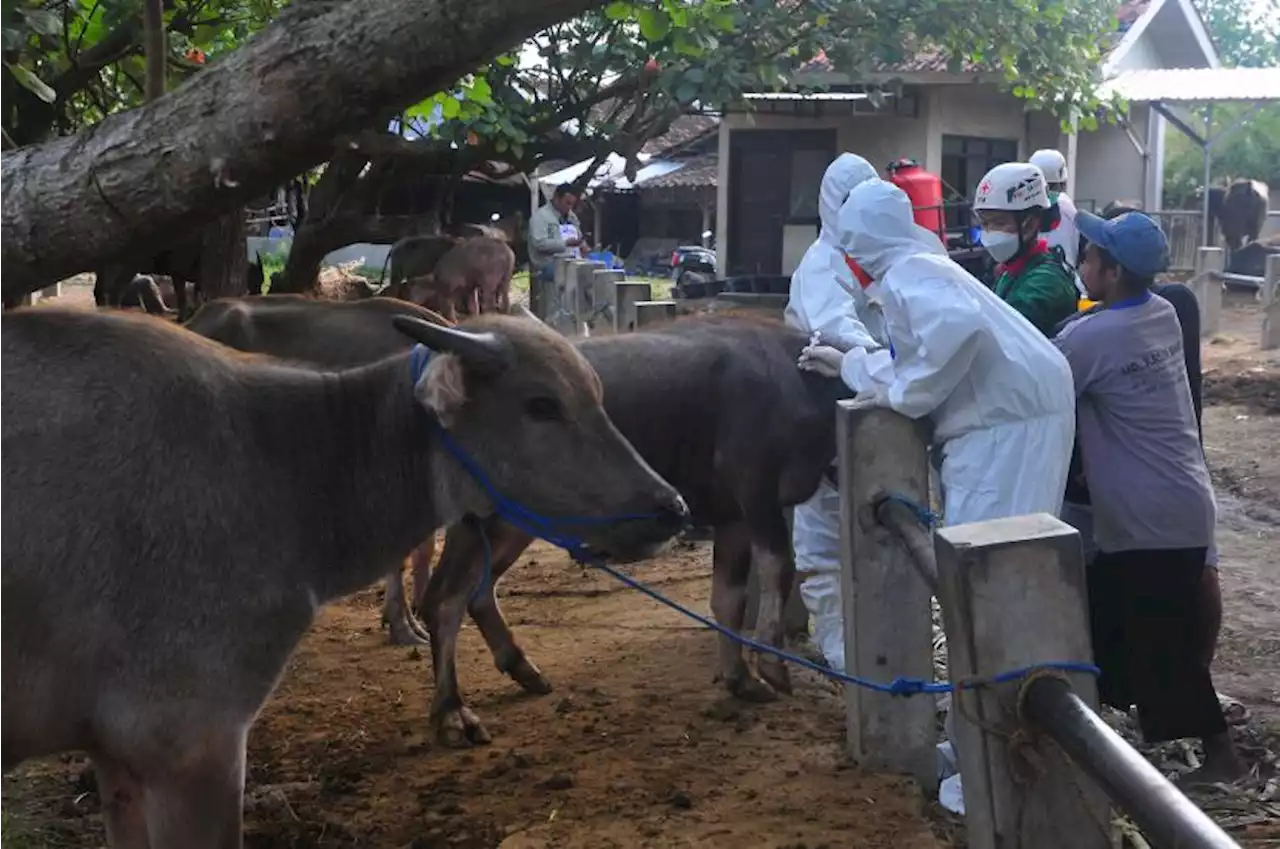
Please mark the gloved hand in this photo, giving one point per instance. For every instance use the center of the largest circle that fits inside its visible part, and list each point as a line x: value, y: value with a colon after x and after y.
x: 864, y: 400
x: 821, y: 359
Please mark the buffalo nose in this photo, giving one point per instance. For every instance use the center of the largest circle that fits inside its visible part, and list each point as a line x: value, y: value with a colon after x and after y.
x: 674, y: 514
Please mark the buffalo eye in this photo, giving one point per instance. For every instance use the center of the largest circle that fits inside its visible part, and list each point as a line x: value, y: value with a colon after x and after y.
x: 544, y: 409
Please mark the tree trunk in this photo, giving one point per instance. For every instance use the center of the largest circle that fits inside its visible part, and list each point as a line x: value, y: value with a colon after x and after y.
x: 254, y: 119
x: 156, y: 50
x: 224, y: 260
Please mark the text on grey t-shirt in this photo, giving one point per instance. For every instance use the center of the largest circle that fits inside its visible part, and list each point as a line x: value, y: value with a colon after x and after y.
x: 1137, y: 428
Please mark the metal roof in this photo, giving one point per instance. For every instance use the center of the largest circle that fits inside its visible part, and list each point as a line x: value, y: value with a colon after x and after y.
x: 1196, y: 85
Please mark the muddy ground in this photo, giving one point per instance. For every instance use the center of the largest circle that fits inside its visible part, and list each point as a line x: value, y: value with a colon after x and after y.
x: 637, y: 747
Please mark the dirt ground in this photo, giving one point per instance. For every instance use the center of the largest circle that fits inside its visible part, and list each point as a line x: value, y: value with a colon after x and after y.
x: 637, y: 747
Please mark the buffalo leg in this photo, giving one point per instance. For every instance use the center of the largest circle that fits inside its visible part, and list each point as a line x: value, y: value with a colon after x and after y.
x: 731, y: 562
x: 404, y: 631
x: 121, y: 794
x: 771, y: 558
x: 453, y: 581
x: 198, y: 802
x: 180, y: 296
x: 507, y: 544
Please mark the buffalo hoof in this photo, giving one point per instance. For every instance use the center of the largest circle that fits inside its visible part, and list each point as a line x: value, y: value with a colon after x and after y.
x: 749, y: 688
x: 403, y: 633
x: 529, y: 677
x: 775, y: 674
x: 461, y: 729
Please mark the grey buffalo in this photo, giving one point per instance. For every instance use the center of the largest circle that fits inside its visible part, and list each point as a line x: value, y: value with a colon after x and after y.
x: 715, y: 404
x: 170, y: 534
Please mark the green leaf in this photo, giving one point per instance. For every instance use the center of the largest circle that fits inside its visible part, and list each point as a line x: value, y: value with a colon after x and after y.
x: 43, y: 21
x: 654, y: 24
x: 480, y: 91
x: 32, y: 83
x: 450, y: 108
x: 617, y: 11
x: 13, y: 39
x: 686, y: 92
x: 506, y: 61
x: 500, y: 145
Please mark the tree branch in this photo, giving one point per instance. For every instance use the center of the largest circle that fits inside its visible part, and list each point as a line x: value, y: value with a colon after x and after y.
x: 267, y: 111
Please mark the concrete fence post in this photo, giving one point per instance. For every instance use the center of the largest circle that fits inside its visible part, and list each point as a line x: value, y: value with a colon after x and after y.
x: 887, y: 620
x: 602, y: 285
x: 1013, y: 595
x: 1269, y: 295
x: 1207, y: 285
x: 625, y: 298
x: 654, y: 312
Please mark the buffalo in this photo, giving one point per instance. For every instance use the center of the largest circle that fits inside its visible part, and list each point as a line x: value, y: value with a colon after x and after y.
x: 221, y: 498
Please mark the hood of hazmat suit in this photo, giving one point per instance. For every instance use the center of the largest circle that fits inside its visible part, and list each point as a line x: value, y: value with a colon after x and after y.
x: 1000, y: 396
x: 825, y: 298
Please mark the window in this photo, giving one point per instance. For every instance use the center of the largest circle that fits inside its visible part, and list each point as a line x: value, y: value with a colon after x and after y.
x: 964, y: 160
x: 807, y: 168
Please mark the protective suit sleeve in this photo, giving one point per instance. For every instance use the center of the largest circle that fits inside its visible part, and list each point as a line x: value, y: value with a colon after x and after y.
x: 864, y: 370
x: 936, y: 350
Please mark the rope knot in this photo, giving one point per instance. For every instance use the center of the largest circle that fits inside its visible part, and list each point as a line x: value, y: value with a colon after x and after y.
x: 906, y: 686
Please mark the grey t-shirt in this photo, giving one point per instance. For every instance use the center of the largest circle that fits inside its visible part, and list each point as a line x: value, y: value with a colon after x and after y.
x: 1137, y: 428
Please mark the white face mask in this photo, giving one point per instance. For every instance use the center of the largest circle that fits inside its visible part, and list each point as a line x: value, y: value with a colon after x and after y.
x: 1002, y: 246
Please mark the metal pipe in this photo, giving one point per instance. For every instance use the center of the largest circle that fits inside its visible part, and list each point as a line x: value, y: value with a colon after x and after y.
x: 1206, y: 234
x: 1160, y: 809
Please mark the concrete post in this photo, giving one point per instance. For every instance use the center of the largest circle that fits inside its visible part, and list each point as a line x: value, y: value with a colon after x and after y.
x: 1269, y: 295
x: 625, y: 298
x: 654, y: 312
x: 1013, y: 595
x: 887, y: 621
x: 1207, y: 285
x: 603, y: 282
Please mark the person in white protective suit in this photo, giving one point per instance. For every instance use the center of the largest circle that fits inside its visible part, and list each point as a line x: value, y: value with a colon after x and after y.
x: 828, y: 301
x: 1000, y: 396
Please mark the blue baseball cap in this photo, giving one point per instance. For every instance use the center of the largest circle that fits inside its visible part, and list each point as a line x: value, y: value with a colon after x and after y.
x: 1135, y: 240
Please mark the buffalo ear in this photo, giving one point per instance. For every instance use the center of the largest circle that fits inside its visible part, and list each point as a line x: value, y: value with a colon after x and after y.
x: 443, y: 388
x: 486, y: 353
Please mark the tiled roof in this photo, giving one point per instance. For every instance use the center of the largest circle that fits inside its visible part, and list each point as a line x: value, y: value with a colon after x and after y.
x: 698, y: 172
x: 683, y: 130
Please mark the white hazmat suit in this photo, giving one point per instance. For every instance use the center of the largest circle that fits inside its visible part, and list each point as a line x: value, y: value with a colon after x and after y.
x: 999, y: 394
x: 826, y: 299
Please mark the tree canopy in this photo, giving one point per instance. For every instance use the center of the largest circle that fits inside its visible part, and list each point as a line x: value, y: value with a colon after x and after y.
x: 606, y: 79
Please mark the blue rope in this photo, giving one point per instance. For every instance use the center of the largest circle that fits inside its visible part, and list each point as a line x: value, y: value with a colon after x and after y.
x: 924, y: 515
x: 544, y: 528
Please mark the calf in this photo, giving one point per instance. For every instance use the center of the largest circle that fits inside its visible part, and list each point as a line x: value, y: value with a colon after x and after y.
x: 481, y: 269
x: 169, y: 537
x: 716, y: 406
x: 329, y: 335
x: 413, y: 256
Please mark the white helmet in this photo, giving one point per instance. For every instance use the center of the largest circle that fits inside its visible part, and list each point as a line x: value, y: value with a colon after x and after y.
x: 1052, y: 163
x: 1012, y: 187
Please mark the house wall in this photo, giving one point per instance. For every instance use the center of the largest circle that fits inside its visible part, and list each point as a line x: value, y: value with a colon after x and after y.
x: 1109, y: 167
x: 965, y: 109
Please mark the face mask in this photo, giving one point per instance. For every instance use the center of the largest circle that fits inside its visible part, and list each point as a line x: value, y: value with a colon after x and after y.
x: 1002, y: 246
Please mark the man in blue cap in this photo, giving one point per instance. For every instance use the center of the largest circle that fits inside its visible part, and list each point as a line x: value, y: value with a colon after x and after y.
x: 1153, y: 505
